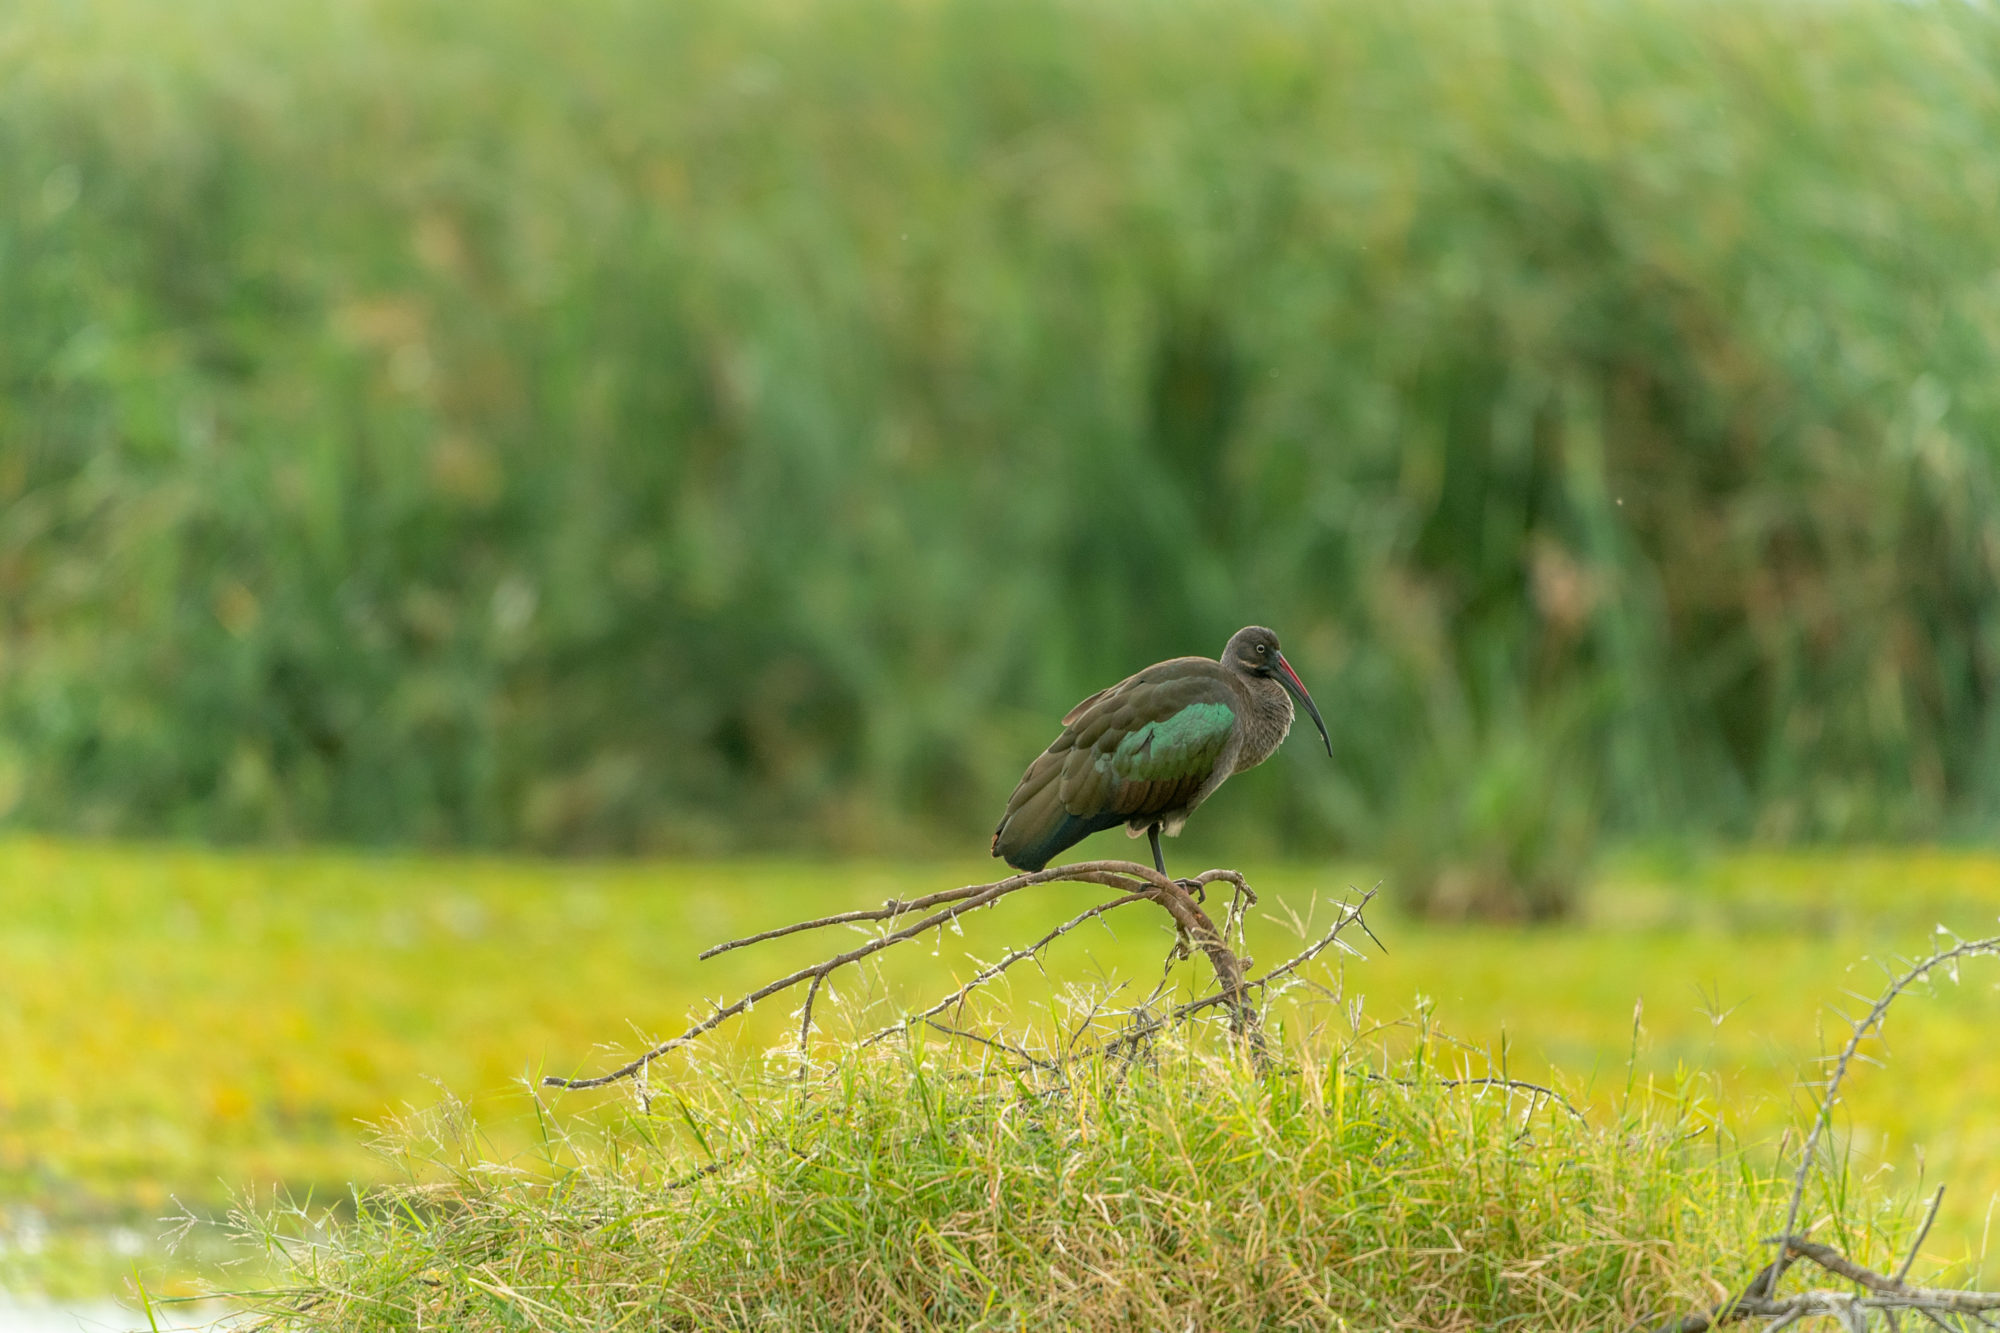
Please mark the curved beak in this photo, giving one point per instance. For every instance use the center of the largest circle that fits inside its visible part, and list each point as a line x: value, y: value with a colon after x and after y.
x: 1290, y: 680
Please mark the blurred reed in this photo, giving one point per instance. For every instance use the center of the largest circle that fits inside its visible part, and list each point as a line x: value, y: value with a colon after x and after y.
x: 630, y: 426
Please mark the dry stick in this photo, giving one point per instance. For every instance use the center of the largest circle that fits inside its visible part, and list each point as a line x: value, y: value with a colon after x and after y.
x: 1866, y: 1024
x: 888, y: 911
x: 1757, y: 1299
x: 1194, y: 923
x: 806, y: 1023
x: 1122, y: 875
x: 1241, y: 899
x: 1511, y: 1084
x: 1886, y: 1293
x: 1007, y: 960
x: 1018, y: 1052
x: 1190, y: 920
x: 1350, y: 914
x: 1937, y: 1201
x: 1084, y: 871
x: 818, y: 970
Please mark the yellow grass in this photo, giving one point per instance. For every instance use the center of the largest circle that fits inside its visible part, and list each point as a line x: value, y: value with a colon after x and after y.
x: 191, y: 1024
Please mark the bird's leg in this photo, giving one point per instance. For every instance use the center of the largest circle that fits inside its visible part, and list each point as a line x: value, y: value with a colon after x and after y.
x: 1199, y: 891
x: 1183, y: 946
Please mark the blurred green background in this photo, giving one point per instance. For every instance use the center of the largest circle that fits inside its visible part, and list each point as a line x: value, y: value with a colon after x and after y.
x: 689, y: 428
x: 683, y: 428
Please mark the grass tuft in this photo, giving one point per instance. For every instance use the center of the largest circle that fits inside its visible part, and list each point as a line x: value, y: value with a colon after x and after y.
x: 1355, y: 1185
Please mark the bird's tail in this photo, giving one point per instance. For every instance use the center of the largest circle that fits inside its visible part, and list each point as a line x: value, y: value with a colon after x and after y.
x: 1037, y: 827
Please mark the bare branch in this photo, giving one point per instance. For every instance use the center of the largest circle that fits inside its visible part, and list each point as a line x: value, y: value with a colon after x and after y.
x: 1007, y: 960
x: 1195, y: 925
x: 1088, y: 871
x: 806, y: 1023
x: 1867, y: 1023
x: 1018, y: 1052
x: 1512, y: 1085
x: 1937, y: 1201
x: 888, y: 911
x: 1130, y: 879
x: 1350, y: 915
x: 817, y: 970
x: 1885, y: 1294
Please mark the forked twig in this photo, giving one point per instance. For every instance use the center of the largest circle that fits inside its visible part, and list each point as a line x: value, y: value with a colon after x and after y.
x: 1879, y: 1294
x: 1006, y: 960
x: 816, y: 972
x: 1867, y: 1023
x: 888, y: 911
x: 1886, y: 1295
x: 1536, y: 1091
x: 1351, y: 914
x: 1937, y: 1201
x: 1133, y: 881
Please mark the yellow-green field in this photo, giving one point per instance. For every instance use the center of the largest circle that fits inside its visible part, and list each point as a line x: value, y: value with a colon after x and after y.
x: 188, y: 1025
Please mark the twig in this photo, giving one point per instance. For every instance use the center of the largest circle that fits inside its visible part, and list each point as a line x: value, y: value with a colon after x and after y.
x: 1018, y: 1052
x: 817, y: 970
x: 1196, y: 926
x: 888, y: 911
x: 1007, y: 960
x: 1862, y: 1027
x: 1937, y: 1201
x: 1885, y: 1294
x: 1091, y: 872
x: 1131, y: 879
x: 1882, y: 1294
x: 806, y: 1023
x: 1241, y: 899
x: 1511, y: 1084
x: 1350, y: 915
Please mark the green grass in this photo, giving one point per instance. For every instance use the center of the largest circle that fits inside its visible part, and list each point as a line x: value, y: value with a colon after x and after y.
x: 929, y: 1190
x: 187, y: 1024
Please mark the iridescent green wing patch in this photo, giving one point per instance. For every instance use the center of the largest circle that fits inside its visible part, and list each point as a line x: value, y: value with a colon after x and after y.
x: 1175, y: 747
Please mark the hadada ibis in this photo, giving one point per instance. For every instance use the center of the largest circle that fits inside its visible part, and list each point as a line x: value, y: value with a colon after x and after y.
x: 1149, y: 750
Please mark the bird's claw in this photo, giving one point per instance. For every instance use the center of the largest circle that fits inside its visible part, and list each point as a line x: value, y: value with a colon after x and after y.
x: 1193, y: 886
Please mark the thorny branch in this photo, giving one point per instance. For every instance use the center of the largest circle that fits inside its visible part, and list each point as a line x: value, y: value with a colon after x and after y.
x: 1006, y: 960
x: 1132, y: 881
x: 1150, y: 1024
x: 1886, y: 1295
x: 1879, y: 1294
x: 1866, y: 1024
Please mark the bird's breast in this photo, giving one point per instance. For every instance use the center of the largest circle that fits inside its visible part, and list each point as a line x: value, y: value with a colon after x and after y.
x: 1268, y: 722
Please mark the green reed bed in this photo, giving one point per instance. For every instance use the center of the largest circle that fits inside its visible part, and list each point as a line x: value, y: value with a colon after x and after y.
x: 747, y: 422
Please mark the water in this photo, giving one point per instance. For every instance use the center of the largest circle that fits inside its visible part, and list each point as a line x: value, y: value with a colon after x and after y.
x: 105, y: 1317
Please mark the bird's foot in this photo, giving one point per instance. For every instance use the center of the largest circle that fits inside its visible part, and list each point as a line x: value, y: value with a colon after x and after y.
x: 1193, y: 886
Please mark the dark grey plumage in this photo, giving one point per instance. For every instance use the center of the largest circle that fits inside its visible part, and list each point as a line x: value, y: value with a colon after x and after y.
x: 1149, y: 750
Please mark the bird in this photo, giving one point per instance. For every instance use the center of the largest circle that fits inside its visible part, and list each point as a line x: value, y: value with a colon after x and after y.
x: 1149, y: 750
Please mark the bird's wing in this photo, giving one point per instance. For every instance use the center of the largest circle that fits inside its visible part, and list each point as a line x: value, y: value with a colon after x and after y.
x: 1145, y: 745
x: 1084, y: 707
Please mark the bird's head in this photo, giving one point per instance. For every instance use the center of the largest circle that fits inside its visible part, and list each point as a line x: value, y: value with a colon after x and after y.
x: 1253, y: 650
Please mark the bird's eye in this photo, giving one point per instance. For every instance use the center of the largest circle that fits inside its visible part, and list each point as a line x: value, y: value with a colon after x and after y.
x: 1261, y: 650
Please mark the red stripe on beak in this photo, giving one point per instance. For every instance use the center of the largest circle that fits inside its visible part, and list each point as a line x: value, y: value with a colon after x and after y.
x: 1298, y: 688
